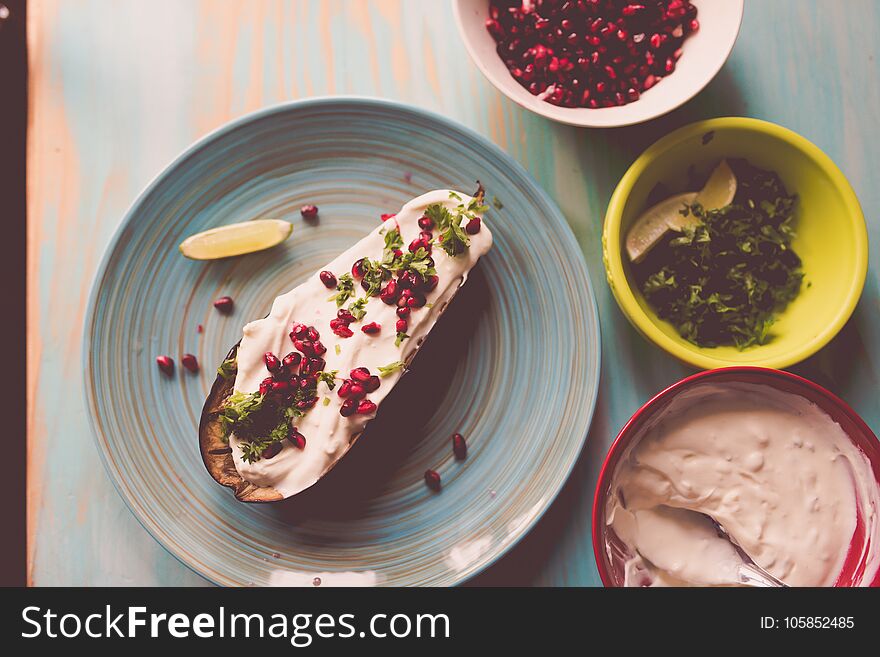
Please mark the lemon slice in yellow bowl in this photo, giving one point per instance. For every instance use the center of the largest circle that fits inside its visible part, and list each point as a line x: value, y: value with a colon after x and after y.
x: 655, y: 222
x: 719, y: 190
x: 236, y: 239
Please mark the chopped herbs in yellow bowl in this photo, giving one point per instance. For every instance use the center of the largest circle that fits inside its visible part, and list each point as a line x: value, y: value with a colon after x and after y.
x: 768, y: 278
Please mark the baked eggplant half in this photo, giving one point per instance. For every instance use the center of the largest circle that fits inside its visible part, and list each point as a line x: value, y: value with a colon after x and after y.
x: 298, y: 390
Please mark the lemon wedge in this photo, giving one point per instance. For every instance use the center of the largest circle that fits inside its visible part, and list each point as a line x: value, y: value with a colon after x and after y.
x: 659, y: 219
x: 655, y: 222
x: 719, y: 190
x: 236, y: 239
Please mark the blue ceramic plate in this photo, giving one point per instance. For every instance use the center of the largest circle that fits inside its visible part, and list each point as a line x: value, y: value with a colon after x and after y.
x: 513, y: 364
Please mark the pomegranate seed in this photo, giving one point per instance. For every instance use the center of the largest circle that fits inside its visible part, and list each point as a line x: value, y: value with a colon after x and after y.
x: 371, y: 329
x: 190, y: 362
x: 426, y: 223
x: 357, y: 391
x: 312, y: 334
x: 404, y: 312
x: 328, y: 278
x: 348, y: 408
x: 419, y: 243
x: 386, y: 217
x: 372, y: 384
x: 299, y: 330
x: 432, y: 479
x: 308, y: 381
x: 313, y: 366
x: 459, y: 446
x: 345, y: 388
x: 291, y: 361
x: 694, y: 25
x: 416, y: 301
x: 271, y: 451
x: 473, y: 226
x: 224, y: 304
x: 366, y: 407
x: 306, y: 404
x: 319, y: 348
x: 345, y: 315
x: 360, y: 374
x: 655, y: 41
x: 401, y: 325
x: 629, y: 10
x: 266, y: 385
x: 389, y: 293
x: 166, y: 364
x: 280, y: 386
x: 272, y: 362
x: 343, y: 332
x: 309, y: 211
x: 297, y: 439
x: 357, y: 269
x: 199, y: 328
x: 426, y: 236
x: 430, y: 283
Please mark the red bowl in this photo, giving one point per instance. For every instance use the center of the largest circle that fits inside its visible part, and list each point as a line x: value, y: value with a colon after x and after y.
x: 859, y: 432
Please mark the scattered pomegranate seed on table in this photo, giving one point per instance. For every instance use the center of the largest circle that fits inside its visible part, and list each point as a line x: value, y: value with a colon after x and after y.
x: 432, y: 479
x: 590, y: 53
x: 166, y: 364
x: 190, y: 362
x: 309, y: 211
x: 224, y: 304
x: 328, y: 278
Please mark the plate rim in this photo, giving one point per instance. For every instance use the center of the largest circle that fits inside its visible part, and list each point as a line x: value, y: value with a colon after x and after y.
x: 371, y: 102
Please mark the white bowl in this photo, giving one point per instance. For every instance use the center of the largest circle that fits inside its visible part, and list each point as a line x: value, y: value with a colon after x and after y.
x: 704, y: 53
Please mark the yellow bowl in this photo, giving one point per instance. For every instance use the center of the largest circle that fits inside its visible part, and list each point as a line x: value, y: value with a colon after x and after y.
x: 832, y: 239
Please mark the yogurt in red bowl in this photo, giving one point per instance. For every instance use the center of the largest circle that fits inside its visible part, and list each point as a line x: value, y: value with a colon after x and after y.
x: 786, y: 468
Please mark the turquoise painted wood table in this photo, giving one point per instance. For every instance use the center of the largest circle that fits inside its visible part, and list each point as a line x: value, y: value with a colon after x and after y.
x: 118, y: 88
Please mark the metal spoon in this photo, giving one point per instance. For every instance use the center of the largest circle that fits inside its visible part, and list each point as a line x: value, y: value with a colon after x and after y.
x: 750, y: 573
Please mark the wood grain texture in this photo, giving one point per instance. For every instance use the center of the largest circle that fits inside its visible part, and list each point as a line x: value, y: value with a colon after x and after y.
x: 119, y: 87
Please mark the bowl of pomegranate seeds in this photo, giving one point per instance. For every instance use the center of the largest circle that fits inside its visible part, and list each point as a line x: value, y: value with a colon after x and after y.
x: 599, y: 63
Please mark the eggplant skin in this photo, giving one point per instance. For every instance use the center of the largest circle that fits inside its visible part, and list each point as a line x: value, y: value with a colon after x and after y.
x: 216, y: 452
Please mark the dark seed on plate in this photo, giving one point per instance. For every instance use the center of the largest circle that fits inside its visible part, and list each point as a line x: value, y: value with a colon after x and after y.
x: 224, y: 304
x: 459, y: 446
x: 190, y: 362
x: 432, y: 479
x: 166, y: 364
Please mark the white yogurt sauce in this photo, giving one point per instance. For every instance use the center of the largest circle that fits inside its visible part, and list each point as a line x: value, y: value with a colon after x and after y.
x: 328, y: 434
x: 770, y: 467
